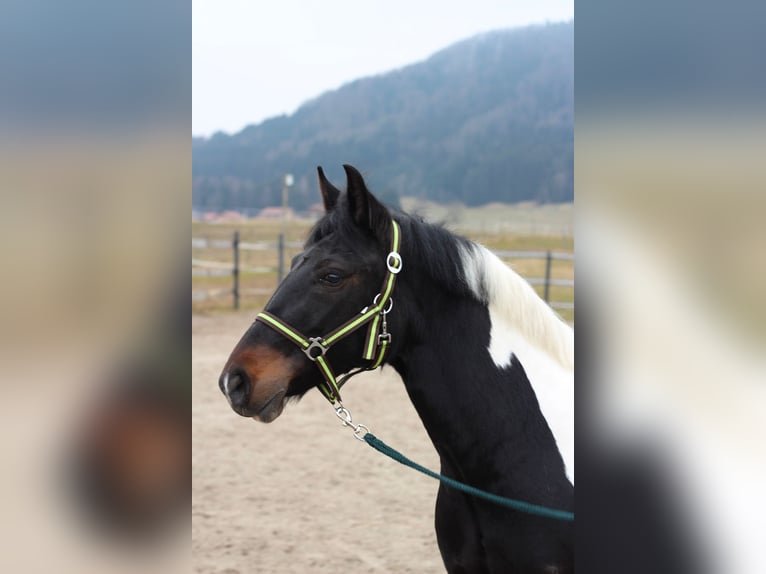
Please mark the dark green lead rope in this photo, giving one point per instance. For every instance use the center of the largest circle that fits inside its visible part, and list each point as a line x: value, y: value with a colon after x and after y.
x: 519, y: 505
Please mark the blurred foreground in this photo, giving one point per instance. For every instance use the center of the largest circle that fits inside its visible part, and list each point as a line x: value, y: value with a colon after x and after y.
x: 670, y: 193
x: 95, y: 359
x: 671, y: 280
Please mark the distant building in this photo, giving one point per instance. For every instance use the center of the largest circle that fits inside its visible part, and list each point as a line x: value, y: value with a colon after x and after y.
x: 276, y: 213
x: 222, y: 216
x: 230, y: 216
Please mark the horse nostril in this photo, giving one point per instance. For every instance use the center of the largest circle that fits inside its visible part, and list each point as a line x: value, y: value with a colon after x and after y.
x: 235, y: 381
x: 235, y: 386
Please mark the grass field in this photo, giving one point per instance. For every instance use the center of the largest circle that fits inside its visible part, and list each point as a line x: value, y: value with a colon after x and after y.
x: 493, y: 226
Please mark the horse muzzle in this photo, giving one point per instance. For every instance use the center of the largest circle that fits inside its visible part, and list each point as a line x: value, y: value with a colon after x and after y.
x: 255, y: 383
x: 237, y: 388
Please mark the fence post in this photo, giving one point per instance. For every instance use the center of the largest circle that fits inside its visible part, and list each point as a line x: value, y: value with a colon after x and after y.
x: 546, y: 296
x: 235, y: 271
x: 281, y: 258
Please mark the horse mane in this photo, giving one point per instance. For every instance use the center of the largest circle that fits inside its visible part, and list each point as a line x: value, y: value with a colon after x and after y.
x: 468, y: 269
x: 513, y: 300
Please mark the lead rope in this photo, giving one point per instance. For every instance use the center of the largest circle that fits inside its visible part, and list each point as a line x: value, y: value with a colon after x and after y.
x: 362, y: 433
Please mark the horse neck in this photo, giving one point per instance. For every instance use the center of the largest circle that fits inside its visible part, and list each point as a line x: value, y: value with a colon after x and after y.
x: 484, y: 420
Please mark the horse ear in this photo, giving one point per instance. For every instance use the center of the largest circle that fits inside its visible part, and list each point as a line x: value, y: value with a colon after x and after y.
x: 364, y: 208
x: 330, y: 193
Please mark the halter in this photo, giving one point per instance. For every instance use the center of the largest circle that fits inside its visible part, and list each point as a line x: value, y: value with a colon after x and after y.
x: 378, y: 338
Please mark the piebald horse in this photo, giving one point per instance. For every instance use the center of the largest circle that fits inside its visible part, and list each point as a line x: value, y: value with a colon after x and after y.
x: 486, y: 363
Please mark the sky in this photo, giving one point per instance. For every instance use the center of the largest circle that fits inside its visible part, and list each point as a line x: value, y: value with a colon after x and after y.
x: 254, y: 60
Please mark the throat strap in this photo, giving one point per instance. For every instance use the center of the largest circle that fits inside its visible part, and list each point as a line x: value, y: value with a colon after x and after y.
x: 377, y: 340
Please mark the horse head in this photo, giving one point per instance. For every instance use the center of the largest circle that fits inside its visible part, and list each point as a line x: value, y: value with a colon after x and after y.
x: 333, y: 280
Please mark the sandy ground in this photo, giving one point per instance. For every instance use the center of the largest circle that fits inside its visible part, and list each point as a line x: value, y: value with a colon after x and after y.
x: 301, y: 494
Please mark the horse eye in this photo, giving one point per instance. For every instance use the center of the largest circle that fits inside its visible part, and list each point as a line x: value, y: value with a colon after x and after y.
x: 331, y: 279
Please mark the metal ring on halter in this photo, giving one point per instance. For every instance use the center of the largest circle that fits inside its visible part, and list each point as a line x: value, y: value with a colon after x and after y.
x: 390, y: 304
x: 396, y: 266
x: 315, y: 344
x: 358, y: 432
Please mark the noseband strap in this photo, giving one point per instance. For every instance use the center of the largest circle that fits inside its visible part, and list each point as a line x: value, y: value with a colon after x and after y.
x: 377, y: 340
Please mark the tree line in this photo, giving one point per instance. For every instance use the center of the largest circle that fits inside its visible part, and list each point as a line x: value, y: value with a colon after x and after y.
x: 487, y: 119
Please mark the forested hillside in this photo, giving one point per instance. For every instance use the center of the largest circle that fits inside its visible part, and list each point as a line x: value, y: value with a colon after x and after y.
x: 488, y: 119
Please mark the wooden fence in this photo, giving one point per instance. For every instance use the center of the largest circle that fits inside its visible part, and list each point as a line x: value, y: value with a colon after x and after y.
x: 234, y: 268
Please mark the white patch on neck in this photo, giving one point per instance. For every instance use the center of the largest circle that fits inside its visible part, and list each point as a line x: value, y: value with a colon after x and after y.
x: 523, y: 325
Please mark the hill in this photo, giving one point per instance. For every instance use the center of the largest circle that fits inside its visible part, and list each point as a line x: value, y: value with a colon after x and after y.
x: 487, y: 119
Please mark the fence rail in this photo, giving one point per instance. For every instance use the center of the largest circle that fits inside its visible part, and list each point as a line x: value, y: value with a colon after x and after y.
x: 212, y: 268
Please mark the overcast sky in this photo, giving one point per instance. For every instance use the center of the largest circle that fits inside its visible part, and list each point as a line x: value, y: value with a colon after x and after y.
x: 255, y: 59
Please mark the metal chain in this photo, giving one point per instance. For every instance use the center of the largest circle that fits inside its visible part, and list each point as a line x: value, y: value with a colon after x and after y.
x: 360, y: 430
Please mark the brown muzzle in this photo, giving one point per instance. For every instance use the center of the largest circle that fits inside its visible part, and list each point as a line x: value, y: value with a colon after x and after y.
x: 255, y: 381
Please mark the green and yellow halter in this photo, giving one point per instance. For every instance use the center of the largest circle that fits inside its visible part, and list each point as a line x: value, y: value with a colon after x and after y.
x: 377, y: 341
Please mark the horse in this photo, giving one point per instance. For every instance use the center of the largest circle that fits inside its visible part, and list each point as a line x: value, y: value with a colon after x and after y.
x: 377, y: 286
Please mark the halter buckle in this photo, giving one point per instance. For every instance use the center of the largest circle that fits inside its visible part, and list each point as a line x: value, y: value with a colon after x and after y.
x: 384, y: 337
x: 396, y: 265
x: 315, y: 343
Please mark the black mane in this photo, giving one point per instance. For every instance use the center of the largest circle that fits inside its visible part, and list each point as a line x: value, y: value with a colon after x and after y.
x: 434, y: 249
